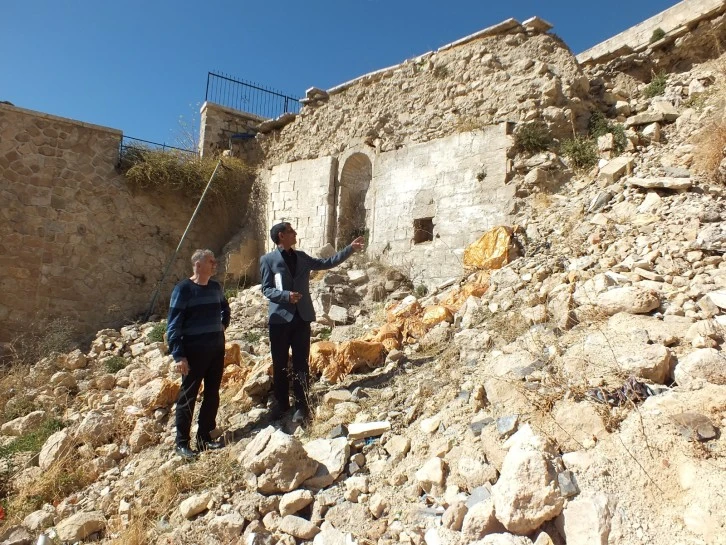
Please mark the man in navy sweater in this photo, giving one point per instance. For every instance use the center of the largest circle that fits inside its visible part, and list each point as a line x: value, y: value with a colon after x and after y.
x: 198, y: 316
x: 285, y: 277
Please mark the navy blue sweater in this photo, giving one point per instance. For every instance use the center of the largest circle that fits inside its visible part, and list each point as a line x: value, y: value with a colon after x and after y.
x: 198, y: 316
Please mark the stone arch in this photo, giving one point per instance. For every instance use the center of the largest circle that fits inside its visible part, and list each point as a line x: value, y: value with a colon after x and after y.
x: 352, y: 189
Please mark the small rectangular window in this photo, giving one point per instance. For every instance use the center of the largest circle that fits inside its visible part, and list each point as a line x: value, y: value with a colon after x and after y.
x: 423, y: 230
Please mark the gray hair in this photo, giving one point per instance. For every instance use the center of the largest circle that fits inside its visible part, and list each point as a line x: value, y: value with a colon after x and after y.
x: 199, y: 255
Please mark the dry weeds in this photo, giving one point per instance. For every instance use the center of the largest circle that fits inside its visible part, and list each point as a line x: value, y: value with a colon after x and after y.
x: 709, y: 151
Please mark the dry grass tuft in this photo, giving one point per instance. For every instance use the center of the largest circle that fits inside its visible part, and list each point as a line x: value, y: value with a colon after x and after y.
x: 709, y: 152
x: 60, y: 481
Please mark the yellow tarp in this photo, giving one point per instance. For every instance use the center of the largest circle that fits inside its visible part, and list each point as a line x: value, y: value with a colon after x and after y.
x: 436, y: 314
x: 491, y: 251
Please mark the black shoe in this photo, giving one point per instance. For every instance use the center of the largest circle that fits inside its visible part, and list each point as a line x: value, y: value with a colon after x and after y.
x: 276, y: 412
x: 301, y: 417
x: 208, y: 444
x: 185, y: 452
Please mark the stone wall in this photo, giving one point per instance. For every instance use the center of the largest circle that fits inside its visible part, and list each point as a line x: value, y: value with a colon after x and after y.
x: 419, y: 206
x: 302, y: 194
x: 415, y: 155
x: 429, y: 201
x: 78, y: 241
x: 221, y: 127
x: 675, y: 21
x: 510, y: 72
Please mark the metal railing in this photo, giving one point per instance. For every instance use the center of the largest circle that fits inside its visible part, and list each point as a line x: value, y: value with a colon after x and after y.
x: 130, y: 143
x: 248, y: 97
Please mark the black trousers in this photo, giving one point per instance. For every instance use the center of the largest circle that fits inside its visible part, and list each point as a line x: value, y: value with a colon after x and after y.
x: 204, y: 365
x: 283, y: 337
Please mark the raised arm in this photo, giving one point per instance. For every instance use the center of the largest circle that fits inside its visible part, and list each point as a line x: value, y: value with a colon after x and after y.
x: 316, y: 264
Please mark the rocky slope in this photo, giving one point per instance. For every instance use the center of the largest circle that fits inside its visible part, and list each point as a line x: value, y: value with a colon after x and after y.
x: 578, y: 399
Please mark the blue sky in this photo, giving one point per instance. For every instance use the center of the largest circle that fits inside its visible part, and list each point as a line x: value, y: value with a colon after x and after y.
x: 138, y: 65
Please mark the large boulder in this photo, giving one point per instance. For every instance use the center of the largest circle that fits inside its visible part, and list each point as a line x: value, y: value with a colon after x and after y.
x: 631, y: 299
x: 586, y: 521
x: 22, y: 425
x: 81, y: 525
x: 527, y: 493
x: 279, y: 461
x: 156, y: 394
x: 96, y: 428
x: 703, y: 365
x: 332, y: 455
x: 55, y: 448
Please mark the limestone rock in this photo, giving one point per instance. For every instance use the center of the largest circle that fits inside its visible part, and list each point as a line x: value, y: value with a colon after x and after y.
x: 630, y: 299
x: 227, y: 527
x: 294, y: 501
x: 81, y: 525
x: 453, y: 517
x: 652, y: 362
x: 194, y: 505
x: 527, y: 493
x: 72, y: 360
x: 278, y: 460
x: 331, y: 536
x: 298, y: 527
x: 480, y: 521
x: 56, y: 447
x: 432, y: 474
x: 15, y: 535
x: 64, y: 379
x: 22, y: 425
x: 331, y: 455
x: 703, y: 365
x: 96, y: 428
x: 362, y: 430
x: 38, y: 520
x: 157, y: 394
x: 504, y: 539
x: 586, y: 521
x: 143, y: 435
x: 675, y: 184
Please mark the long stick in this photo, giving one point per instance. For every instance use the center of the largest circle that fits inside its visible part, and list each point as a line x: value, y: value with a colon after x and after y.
x: 181, y: 241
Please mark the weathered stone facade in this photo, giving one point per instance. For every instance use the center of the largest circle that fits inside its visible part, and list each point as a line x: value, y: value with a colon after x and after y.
x: 415, y: 156
x: 676, y: 21
x: 79, y: 242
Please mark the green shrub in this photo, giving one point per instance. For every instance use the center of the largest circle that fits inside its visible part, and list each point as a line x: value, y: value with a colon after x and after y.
x: 156, y: 335
x: 32, y: 441
x: 599, y: 126
x: 229, y: 293
x: 658, y: 34
x: 18, y: 406
x: 656, y: 86
x: 532, y: 137
x: 325, y: 334
x: 582, y: 152
x: 115, y: 363
x: 252, y: 337
x: 421, y: 290
x: 178, y: 171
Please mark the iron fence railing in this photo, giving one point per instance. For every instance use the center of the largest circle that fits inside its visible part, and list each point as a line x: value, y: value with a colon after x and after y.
x: 248, y: 97
x: 130, y: 143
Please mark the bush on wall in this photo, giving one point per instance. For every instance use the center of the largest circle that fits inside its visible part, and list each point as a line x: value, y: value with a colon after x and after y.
x: 174, y: 170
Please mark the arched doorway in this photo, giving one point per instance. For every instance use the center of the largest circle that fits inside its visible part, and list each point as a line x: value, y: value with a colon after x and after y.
x: 355, y: 178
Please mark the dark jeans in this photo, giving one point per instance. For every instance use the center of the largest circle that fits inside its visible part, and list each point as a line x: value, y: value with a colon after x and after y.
x: 205, y: 365
x: 295, y: 335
